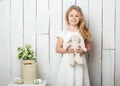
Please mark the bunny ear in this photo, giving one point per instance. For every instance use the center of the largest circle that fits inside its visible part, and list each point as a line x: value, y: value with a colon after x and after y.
x: 79, y: 40
x: 80, y: 36
x: 68, y: 38
x: 70, y: 41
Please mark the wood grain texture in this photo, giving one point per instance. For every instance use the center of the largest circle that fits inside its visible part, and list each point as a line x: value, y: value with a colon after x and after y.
x: 117, y: 45
x: 5, y: 57
x: 55, y: 27
x: 43, y: 57
x: 108, y: 24
x: 108, y: 68
x: 42, y: 16
x: 30, y: 22
x: 95, y: 25
x: 16, y: 35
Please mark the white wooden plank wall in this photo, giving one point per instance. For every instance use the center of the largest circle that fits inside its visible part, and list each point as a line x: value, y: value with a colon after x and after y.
x: 16, y: 35
x: 117, y: 46
x: 43, y: 56
x: 108, y: 24
x: 95, y: 25
x: 4, y: 42
x: 38, y: 21
x: 42, y: 16
x: 55, y: 8
x: 29, y: 16
x: 108, y: 43
x: 108, y: 68
x: 42, y: 30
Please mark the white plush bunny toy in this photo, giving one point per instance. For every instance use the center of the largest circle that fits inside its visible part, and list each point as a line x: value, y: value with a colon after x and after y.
x: 75, y: 41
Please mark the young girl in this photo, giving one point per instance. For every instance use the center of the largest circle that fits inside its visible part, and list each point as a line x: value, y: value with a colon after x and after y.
x: 76, y: 75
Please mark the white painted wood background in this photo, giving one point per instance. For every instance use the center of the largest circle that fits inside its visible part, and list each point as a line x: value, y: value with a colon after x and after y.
x: 38, y: 21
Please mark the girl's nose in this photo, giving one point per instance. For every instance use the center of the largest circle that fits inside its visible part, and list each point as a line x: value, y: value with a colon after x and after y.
x: 73, y: 17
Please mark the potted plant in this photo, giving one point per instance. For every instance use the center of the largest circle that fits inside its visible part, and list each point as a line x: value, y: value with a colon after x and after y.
x: 26, y: 54
x: 28, y: 66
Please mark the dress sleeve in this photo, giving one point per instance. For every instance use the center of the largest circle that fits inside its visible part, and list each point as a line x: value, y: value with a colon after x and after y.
x: 61, y: 34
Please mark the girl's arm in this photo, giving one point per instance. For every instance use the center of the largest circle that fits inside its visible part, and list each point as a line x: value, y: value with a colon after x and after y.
x: 59, y: 47
x: 88, y: 46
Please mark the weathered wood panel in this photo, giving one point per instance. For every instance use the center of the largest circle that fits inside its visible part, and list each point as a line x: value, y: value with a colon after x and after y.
x: 117, y: 45
x: 4, y: 42
x: 108, y: 24
x: 117, y: 67
x: 43, y: 56
x: 42, y: 16
x: 108, y: 68
x: 30, y: 22
x: 55, y: 27
x: 16, y: 35
x: 95, y: 25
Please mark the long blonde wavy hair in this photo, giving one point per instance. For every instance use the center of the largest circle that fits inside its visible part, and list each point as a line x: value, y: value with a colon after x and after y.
x: 85, y: 32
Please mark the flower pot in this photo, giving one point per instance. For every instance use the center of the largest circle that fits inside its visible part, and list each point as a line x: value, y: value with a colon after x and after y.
x: 29, y: 71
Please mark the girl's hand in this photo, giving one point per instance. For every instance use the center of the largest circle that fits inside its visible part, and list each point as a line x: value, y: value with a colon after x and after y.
x: 80, y: 50
x: 70, y: 50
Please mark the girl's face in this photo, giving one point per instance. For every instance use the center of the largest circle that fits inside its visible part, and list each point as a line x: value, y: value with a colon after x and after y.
x: 73, y: 18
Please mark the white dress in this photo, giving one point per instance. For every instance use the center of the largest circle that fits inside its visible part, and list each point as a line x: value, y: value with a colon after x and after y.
x: 71, y: 75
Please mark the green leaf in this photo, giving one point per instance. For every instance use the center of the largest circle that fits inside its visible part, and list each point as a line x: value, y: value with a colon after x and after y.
x: 25, y: 52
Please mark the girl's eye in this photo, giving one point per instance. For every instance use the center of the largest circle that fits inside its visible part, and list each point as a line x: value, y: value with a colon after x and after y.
x: 71, y: 15
x: 76, y: 15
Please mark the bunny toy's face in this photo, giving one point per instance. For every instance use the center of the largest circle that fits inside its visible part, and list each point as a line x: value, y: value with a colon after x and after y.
x: 75, y: 39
